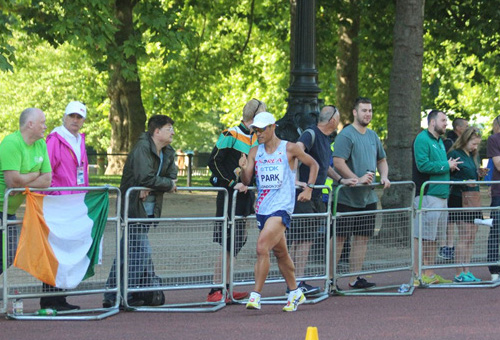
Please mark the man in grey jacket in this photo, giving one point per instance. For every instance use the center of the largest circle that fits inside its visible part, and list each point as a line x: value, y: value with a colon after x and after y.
x: 151, y: 164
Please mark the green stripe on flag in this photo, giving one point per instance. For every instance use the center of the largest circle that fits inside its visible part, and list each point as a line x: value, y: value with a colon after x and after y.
x: 97, y: 203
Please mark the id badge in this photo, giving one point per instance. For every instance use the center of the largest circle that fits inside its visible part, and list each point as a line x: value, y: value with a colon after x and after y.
x: 80, y: 180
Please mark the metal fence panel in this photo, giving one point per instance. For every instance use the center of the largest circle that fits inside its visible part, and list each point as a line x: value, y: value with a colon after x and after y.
x: 182, y: 252
x: 17, y: 284
x: 381, y: 246
x: 468, y: 229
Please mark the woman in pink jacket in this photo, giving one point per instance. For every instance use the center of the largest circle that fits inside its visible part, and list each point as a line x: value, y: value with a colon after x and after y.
x: 66, y: 147
x: 68, y: 158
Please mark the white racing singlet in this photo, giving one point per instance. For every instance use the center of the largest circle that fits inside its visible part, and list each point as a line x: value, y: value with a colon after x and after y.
x: 275, y: 181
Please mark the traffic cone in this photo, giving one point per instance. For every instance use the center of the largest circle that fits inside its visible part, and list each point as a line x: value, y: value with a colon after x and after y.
x: 312, y: 333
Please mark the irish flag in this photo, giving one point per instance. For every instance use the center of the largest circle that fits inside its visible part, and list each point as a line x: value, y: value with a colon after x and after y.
x: 61, y: 236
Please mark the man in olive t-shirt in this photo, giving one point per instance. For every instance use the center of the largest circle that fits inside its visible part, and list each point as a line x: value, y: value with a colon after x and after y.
x: 358, y: 153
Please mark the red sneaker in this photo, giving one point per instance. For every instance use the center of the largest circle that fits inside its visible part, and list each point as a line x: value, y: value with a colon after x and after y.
x: 240, y: 295
x: 215, y: 296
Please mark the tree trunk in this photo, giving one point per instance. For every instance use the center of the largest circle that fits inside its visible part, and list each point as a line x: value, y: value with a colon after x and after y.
x: 126, y: 115
x: 403, y: 121
x: 347, y: 60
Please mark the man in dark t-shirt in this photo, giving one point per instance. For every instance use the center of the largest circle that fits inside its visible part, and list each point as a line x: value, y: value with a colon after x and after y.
x: 315, y: 141
x: 493, y: 152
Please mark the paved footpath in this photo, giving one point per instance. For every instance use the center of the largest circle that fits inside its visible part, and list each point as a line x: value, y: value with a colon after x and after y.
x: 427, y: 314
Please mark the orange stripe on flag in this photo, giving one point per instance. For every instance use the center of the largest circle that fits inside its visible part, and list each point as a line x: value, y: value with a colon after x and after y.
x: 34, y: 253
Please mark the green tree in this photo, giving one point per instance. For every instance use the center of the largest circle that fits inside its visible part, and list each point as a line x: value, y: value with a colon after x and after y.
x: 49, y: 78
x: 462, y: 59
x: 115, y: 35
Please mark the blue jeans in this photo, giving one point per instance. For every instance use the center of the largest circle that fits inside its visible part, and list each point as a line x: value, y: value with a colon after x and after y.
x: 12, y: 240
x: 493, y: 237
x: 140, y: 262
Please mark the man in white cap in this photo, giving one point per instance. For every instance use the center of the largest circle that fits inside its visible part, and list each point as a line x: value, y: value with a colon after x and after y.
x: 274, y: 163
x: 68, y: 158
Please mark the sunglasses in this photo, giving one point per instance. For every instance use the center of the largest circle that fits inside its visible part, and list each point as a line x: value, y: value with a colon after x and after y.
x: 259, y: 103
x: 335, y: 110
x: 260, y: 130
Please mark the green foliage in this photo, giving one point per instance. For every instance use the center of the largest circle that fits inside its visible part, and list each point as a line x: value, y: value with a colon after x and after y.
x: 49, y: 79
x: 205, y: 88
x: 7, y: 19
x: 201, y: 61
x: 375, y: 52
x: 462, y: 60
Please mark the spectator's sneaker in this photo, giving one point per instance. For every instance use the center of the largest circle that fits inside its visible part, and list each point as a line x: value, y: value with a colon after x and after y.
x: 295, y: 298
x: 447, y: 253
x: 62, y: 306
x: 472, y: 278
x: 306, y: 289
x: 495, y: 276
x: 361, y: 283
x: 440, y: 279
x: 216, y: 296
x: 429, y: 280
x: 239, y: 295
x: 461, y: 278
x: 253, y: 301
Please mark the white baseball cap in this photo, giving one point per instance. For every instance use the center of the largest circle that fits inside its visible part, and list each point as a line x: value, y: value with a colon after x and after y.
x: 262, y: 120
x: 76, y: 107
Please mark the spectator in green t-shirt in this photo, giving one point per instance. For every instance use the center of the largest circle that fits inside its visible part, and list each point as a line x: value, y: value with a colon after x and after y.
x: 24, y: 162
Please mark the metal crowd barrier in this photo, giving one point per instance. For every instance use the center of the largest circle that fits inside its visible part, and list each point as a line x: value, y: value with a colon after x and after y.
x: 388, y: 261
x: 317, y: 263
x: 472, y: 229
x: 179, y: 251
x: 17, y: 284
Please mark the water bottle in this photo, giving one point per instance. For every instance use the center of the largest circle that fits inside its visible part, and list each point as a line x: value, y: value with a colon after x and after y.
x: 404, y: 288
x: 46, y: 312
x: 17, y: 305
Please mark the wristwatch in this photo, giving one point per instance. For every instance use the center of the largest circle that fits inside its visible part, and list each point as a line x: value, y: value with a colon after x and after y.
x: 310, y: 185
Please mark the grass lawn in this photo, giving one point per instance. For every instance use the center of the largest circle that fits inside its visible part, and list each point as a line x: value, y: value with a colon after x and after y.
x: 114, y: 180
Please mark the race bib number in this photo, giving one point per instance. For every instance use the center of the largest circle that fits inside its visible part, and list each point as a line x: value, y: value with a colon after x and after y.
x: 271, y: 176
x: 80, y: 179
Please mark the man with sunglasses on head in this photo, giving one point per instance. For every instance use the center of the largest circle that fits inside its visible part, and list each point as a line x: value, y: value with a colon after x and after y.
x: 274, y: 163
x: 315, y: 141
x: 223, y: 163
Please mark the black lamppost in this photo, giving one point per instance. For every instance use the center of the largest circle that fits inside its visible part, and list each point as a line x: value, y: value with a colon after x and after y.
x: 303, y: 105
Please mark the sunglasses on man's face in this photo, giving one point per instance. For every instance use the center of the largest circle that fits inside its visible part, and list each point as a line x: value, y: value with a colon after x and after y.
x: 260, y: 130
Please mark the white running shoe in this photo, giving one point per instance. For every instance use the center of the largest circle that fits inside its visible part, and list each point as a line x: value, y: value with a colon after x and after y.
x: 254, y: 301
x: 295, y: 298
